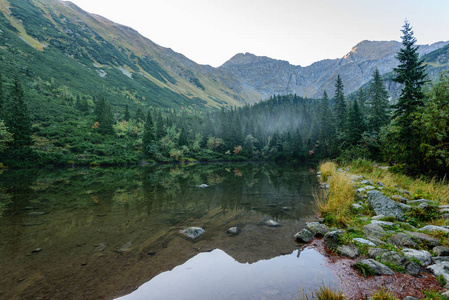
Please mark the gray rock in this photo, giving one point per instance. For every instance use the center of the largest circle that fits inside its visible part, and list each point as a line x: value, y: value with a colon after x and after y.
x: 376, y: 252
x: 441, y: 268
x: 304, y: 236
x: 380, y: 183
x: 382, y: 223
x: 364, y: 241
x: 325, y: 186
x: 361, y: 190
x: 356, y: 206
x: 317, y: 228
x: 423, y: 238
x: 332, y: 238
x: 434, y: 228
x: 37, y: 250
x: 416, y: 202
x: 410, y: 298
x: 350, y: 251
x: 125, y: 248
x: 377, y: 267
x: 366, y: 182
x: 378, y: 217
x: 423, y: 205
x: 422, y: 255
x: 399, y: 199
x: 375, y: 240
x: 405, y: 207
x: 272, y: 223
x: 402, y: 240
x: 37, y: 213
x: 440, y: 251
x: 439, y: 259
x: 193, y: 232
x: 233, y: 231
x: 395, y: 258
x: 370, y: 187
x: 382, y: 205
x: 374, y: 230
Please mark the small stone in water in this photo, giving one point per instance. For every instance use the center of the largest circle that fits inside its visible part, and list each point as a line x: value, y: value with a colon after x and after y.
x: 193, y: 232
x: 37, y: 250
x: 272, y: 223
x: 203, y: 186
x: 232, y: 231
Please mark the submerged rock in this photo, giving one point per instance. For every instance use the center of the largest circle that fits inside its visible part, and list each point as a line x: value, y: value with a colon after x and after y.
x: 232, y: 231
x: 193, y: 232
x: 272, y: 223
x: 202, y: 186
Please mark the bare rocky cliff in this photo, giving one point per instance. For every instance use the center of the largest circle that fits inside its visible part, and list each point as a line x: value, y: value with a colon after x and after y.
x: 264, y: 76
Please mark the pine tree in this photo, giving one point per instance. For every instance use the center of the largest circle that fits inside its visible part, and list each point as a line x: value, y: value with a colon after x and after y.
x: 340, y: 105
x: 104, y: 116
x: 18, y: 120
x: 327, y: 128
x: 149, y: 134
x: 140, y: 115
x: 2, y: 99
x: 127, y: 116
x: 356, y: 124
x: 378, y: 103
x: 412, y: 74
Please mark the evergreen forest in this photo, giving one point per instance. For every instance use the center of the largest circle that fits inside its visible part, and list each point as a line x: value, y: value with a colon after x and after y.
x: 41, y: 126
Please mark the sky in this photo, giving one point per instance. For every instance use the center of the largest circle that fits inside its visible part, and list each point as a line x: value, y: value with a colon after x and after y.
x: 301, y: 32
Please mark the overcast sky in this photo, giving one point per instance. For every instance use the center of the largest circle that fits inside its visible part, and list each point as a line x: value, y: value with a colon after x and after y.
x: 299, y: 31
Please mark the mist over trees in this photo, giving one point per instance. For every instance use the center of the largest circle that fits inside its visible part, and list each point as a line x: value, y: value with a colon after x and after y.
x: 75, y: 129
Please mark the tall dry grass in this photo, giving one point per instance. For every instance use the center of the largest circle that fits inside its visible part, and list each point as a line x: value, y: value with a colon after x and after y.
x: 326, y: 293
x: 335, y: 206
x: 327, y: 169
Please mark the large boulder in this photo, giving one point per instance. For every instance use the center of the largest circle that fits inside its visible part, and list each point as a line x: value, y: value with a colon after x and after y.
x: 434, y: 228
x: 402, y: 240
x: 422, y: 255
x: 317, y: 228
x: 395, y: 258
x: 350, y: 251
x: 376, y: 252
x: 332, y: 238
x: 374, y: 230
x: 441, y: 269
x: 382, y: 205
x: 304, y: 236
x: 377, y: 267
x: 424, y: 239
x: 440, y: 251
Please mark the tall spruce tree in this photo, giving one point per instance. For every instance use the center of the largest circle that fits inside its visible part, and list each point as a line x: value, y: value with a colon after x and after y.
x: 340, y: 105
x: 126, y: 116
x: 378, y: 103
x: 18, y: 120
x: 104, y: 116
x: 412, y: 74
x: 327, y: 128
x: 356, y: 124
x: 2, y: 99
x: 149, y: 133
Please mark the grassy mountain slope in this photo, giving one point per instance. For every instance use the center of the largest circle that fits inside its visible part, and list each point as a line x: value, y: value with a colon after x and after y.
x: 62, y: 46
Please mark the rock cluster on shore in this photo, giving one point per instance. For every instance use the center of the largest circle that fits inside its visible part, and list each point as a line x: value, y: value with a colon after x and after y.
x: 385, y: 243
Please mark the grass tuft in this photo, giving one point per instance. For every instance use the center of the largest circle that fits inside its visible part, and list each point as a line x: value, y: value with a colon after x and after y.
x: 383, y: 294
x: 327, y: 169
x: 326, y: 293
x: 335, y: 207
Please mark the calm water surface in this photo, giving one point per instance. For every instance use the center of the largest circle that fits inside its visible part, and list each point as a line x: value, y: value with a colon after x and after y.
x: 103, y: 233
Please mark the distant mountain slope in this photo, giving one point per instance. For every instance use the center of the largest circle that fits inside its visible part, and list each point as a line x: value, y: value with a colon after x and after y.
x: 267, y: 76
x: 88, y: 54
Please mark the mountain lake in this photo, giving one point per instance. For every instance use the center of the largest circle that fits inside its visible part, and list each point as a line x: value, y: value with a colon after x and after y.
x: 117, y: 232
